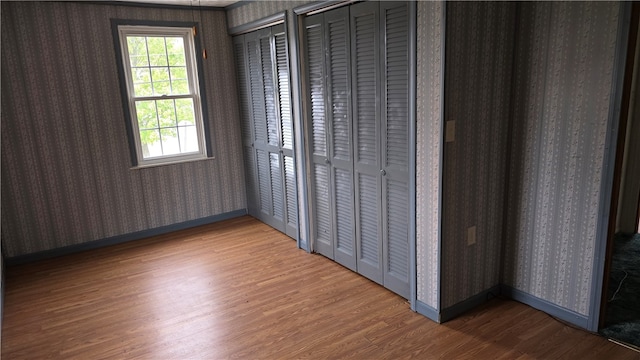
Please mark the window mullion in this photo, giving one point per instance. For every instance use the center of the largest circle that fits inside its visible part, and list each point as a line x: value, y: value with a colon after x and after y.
x: 164, y: 97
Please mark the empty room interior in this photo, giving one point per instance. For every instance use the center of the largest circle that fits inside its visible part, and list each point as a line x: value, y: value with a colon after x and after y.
x: 214, y: 179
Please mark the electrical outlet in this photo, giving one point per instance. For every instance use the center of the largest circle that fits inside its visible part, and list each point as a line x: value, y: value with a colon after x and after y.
x: 471, y: 235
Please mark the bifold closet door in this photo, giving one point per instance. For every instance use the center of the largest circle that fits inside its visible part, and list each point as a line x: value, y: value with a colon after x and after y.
x: 358, y: 125
x: 328, y: 59
x: 263, y: 81
x: 365, y: 51
x: 394, y: 21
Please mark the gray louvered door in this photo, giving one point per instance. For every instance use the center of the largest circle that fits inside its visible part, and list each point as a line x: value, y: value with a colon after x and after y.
x: 358, y: 100
x: 321, y: 227
x: 328, y: 54
x: 366, y: 137
x: 263, y: 79
x: 246, y: 122
x: 395, y: 145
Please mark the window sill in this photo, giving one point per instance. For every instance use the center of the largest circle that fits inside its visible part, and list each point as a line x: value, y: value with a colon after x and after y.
x: 147, y: 166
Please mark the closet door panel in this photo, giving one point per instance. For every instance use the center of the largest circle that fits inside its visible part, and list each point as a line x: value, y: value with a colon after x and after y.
x: 243, y: 90
x: 281, y: 68
x: 265, y: 101
x: 282, y: 71
x: 339, y: 139
x: 396, y: 235
x: 291, y: 196
x: 366, y: 137
x: 246, y: 124
x: 321, y: 211
x: 270, y: 94
x: 395, y: 146
x: 322, y: 229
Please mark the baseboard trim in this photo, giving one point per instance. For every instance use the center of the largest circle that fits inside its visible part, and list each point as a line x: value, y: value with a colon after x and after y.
x: 427, y: 311
x: 455, y: 310
x: 554, y: 310
x: 118, y: 239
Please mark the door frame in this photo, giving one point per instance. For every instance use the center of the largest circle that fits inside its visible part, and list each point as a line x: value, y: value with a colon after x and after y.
x: 618, y: 114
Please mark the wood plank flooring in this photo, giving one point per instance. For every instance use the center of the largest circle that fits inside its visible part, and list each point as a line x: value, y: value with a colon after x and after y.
x: 241, y: 290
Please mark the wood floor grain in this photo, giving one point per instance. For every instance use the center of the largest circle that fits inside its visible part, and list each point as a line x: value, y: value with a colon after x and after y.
x: 241, y: 290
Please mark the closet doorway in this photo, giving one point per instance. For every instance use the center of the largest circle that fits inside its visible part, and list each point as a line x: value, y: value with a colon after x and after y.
x: 619, y: 310
x: 267, y: 131
x: 359, y: 99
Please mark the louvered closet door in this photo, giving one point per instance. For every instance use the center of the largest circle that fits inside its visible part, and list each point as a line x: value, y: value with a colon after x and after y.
x: 328, y: 53
x: 246, y: 121
x: 266, y: 127
x: 338, y: 56
x: 358, y: 125
x: 395, y: 146
x: 281, y: 68
x: 322, y: 209
x: 366, y: 138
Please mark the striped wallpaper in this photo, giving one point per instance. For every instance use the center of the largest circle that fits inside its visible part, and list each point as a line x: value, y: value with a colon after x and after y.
x: 429, y: 139
x: 66, y: 170
x: 562, y: 94
x: 479, y: 48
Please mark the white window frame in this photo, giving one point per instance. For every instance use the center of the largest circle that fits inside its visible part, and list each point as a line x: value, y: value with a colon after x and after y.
x: 194, y: 90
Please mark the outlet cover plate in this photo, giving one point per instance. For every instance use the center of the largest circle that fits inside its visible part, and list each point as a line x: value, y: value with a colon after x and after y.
x: 471, y: 235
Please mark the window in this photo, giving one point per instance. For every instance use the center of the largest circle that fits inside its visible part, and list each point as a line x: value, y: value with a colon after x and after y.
x: 163, y: 94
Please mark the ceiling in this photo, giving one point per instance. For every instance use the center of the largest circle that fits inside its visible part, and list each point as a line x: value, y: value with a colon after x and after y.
x: 214, y: 3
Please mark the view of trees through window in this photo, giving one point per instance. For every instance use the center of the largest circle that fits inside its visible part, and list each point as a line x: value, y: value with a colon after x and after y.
x: 159, y: 69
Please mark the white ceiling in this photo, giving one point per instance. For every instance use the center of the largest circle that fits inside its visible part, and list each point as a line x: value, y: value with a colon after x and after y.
x: 215, y: 3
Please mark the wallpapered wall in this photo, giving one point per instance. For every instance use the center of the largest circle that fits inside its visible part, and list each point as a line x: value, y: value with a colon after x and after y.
x: 66, y: 170
x: 479, y: 48
x: 429, y: 148
x: 564, y: 64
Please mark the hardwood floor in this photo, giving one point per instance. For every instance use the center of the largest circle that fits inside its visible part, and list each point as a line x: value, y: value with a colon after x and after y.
x: 239, y: 289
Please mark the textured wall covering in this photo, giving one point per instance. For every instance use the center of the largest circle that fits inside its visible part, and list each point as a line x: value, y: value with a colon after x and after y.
x: 66, y: 176
x: 428, y: 148
x: 479, y: 48
x: 257, y: 10
x: 564, y: 65
x: 260, y: 9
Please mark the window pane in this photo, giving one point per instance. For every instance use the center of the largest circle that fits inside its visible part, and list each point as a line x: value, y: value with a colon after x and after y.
x: 141, y: 81
x: 142, y: 89
x: 166, y: 113
x: 160, y: 74
x: 146, y: 113
x: 157, y: 51
x: 179, y: 83
x: 188, y: 138
x: 170, y: 143
x: 141, y: 75
x: 150, y: 142
x: 137, y: 51
x: 180, y: 87
x: 184, y: 111
x: 175, y: 49
x: 160, y: 77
